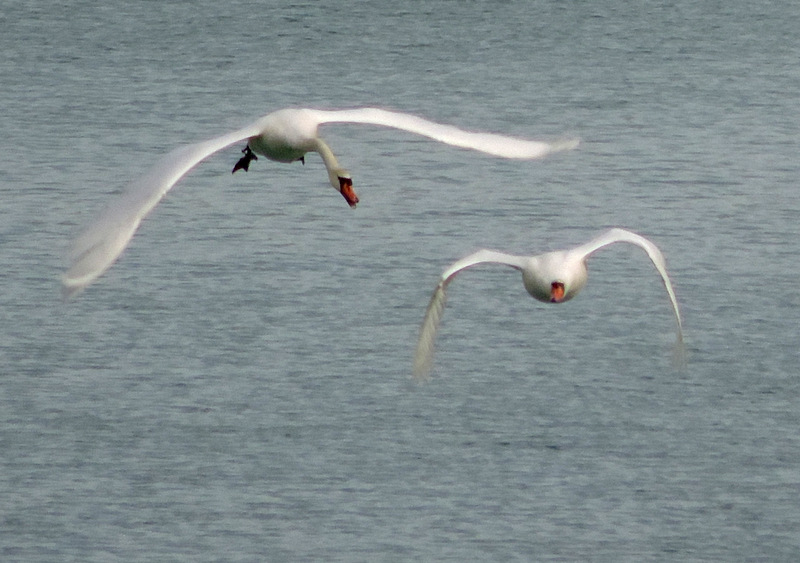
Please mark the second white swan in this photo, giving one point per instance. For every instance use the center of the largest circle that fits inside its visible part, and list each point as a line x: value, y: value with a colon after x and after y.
x: 553, y: 277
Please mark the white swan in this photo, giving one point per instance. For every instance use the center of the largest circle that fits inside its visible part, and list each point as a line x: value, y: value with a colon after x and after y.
x: 553, y: 277
x: 284, y: 136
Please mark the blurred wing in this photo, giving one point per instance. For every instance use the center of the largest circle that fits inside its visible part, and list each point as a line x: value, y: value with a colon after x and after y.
x: 490, y: 143
x: 621, y: 235
x: 100, y: 244
x: 423, y: 358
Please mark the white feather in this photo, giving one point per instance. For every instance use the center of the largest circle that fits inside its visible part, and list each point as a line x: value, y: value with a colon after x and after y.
x: 284, y: 136
x: 539, y: 273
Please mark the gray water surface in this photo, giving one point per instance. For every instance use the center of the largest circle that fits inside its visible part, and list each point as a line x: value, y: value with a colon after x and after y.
x: 237, y: 387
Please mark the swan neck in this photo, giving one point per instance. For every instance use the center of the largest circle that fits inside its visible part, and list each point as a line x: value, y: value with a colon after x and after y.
x: 331, y: 164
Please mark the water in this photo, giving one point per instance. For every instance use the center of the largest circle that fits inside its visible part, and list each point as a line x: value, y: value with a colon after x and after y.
x: 237, y: 387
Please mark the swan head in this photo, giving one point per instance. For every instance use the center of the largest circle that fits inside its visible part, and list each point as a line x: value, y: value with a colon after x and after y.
x: 557, y: 292
x: 554, y: 277
x: 552, y: 290
x: 345, y: 187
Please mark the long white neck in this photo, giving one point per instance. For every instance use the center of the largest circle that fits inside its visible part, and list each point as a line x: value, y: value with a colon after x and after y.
x: 331, y: 164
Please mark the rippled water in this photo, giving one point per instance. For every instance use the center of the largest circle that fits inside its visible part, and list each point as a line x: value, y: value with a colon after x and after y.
x: 237, y: 387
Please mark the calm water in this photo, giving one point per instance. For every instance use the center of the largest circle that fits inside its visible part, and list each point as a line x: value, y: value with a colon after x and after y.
x: 237, y: 387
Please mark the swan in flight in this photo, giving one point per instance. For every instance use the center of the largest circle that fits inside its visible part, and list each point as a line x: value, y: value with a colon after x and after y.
x: 553, y: 277
x: 284, y: 136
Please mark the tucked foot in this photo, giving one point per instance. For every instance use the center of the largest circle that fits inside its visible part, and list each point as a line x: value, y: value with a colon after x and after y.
x: 346, y: 189
x: 244, y: 162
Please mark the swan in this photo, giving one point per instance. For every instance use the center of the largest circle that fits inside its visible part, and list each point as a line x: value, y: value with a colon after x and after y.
x: 284, y: 136
x: 553, y: 277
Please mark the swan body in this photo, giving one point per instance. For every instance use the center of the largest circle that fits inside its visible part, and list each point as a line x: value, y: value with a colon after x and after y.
x: 553, y: 277
x: 283, y: 136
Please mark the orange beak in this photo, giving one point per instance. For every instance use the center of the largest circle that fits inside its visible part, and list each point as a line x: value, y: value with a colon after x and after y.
x: 347, y: 191
x: 556, y: 292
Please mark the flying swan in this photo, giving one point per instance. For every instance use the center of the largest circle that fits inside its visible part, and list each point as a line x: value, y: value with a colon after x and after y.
x: 284, y: 136
x: 553, y: 277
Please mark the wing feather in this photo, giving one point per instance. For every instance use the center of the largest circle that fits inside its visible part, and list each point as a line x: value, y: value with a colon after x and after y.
x: 96, y: 248
x: 423, y: 357
x: 490, y: 143
x: 656, y: 257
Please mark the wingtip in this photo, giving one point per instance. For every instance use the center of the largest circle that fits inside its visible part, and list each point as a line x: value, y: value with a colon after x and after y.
x: 679, y: 358
x: 423, y: 359
x: 565, y: 144
x: 422, y: 370
x: 426, y: 343
x: 70, y: 289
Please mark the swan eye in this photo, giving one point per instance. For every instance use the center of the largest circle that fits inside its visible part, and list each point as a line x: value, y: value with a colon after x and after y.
x: 556, y: 292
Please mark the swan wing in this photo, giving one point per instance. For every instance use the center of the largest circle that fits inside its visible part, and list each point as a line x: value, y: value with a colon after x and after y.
x: 423, y: 357
x: 622, y: 235
x: 97, y: 247
x: 490, y: 143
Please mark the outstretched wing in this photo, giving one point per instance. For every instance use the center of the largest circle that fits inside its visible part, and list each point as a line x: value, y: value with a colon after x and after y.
x: 621, y: 235
x: 100, y: 244
x: 423, y: 358
x: 490, y: 143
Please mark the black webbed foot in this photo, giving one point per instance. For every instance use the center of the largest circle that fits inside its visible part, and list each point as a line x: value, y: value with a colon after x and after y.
x: 244, y: 162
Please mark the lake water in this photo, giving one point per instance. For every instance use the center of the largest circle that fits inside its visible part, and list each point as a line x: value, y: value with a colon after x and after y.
x: 237, y: 387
